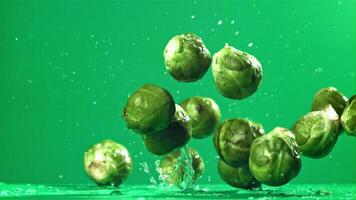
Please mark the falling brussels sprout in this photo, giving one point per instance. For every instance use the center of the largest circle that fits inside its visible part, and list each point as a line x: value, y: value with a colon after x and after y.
x: 239, y: 177
x: 107, y: 163
x: 237, y: 74
x: 204, y: 114
x: 149, y: 109
x: 181, y: 166
x: 274, y: 157
x: 186, y: 57
x: 348, y: 117
x: 233, y: 139
x: 176, y: 135
x: 316, y: 132
x: 329, y: 95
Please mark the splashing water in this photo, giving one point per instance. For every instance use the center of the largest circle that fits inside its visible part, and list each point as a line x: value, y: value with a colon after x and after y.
x: 185, y: 160
x: 146, y: 169
x: 183, y: 165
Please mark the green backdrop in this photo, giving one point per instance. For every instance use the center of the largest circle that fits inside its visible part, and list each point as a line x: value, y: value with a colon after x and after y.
x: 67, y: 68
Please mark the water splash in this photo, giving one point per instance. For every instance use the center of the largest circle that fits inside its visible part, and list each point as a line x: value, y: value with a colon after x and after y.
x: 182, y: 170
x: 146, y: 169
x: 185, y: 160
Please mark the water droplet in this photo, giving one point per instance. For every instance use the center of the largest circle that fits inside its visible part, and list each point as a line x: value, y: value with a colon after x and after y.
x: 219, y: 22
x: 318, y: 70
x: 192, y: 17
x: 232, y: 22
x: 30, y: 81
x: 237, y: 32
x: 250, y: 44
x: 16, y: 39
x: 95, y: 102
x: 60, y: 176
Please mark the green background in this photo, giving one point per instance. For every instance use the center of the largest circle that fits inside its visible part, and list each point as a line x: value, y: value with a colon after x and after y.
x: 67, y: 68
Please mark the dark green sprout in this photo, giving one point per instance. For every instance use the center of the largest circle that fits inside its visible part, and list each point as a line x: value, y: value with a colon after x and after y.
x: 316, y: 132
x: 149, y: 109
x: 176, y: 135
x: 239, y: 177
x: 233, y: 139
x: 274, y: 157
x: 204, y: 114
x: 348, y: 117
x: 329, y: 95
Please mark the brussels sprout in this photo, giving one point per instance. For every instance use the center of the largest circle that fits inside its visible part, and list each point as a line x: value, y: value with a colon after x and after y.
x: 149, y: 109
x: 274, y: 157
x: 329, y: 95
x: 348, y: 117
x: 186, y: 57
x: 316, y: 132
x: 176, y: 167
x: 204, y: 114
x: 107, y: 163
x: 233, y: 139
x: 239, y: 177
x: 237, y: 74
x: 176, y: 135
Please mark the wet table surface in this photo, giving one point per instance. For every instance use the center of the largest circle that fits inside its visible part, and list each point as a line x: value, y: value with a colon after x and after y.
x: 211, y: 191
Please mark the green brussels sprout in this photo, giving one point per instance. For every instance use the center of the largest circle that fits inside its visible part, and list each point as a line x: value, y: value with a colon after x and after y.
x: 186, y: 57
x: 237, y: 74
x: 274, y: 157
x: 348, y: 117
x: 233, y: 139
x: 329, y: 95
x: 316, y: 132
x: 204, y: 114
x: 149, y: 109
x: 176, y: 135
x: 175, y: 167
x: 108, y: 163
x: 239, y: 177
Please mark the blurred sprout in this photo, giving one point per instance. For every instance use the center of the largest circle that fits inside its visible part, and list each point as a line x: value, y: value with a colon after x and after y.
x: 175, y: 168
x: 186, y: 57
x: 107, y: 163
x: 233, y: 139
x: 348, y: 117
x: 237, y: 74
x: 149, y: 109
x: 239, y: 177
x: 274, y: 158
x: 329, y: 95
x: 204, y: 114
x: 316, y: 132
x: 176, y: 135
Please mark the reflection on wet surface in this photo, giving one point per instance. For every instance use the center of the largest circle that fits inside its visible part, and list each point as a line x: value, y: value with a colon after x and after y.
x: 292, y: 191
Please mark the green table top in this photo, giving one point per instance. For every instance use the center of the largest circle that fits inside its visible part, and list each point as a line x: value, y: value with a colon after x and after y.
x: 211, y: 191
